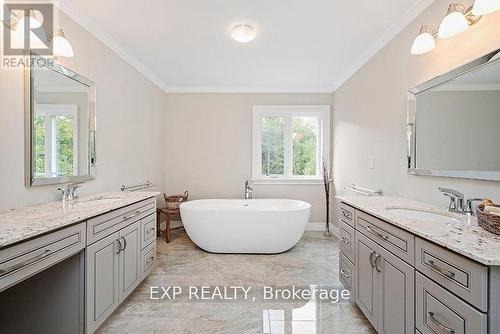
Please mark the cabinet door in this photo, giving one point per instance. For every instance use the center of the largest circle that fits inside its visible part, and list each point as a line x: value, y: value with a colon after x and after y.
x: 130, y: 271
x: 102, y: 280
x: 396, y: 283
x: 365, y: 291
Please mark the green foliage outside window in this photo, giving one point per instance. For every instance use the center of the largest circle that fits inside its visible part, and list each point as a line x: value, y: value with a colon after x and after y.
x: 273, y: 141
x: 305, y: 134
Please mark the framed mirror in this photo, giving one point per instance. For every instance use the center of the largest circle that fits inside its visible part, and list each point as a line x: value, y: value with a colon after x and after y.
x: 454, y: 123
x: 60, y: 124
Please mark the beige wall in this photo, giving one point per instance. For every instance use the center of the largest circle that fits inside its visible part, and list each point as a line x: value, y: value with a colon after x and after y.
x: 129, y: 123
x: 209, y: 146
x: 370, y: 110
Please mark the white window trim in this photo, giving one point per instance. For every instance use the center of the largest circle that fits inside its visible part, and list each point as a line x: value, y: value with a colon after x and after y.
x: 50, y: 110
x: 321, y: 111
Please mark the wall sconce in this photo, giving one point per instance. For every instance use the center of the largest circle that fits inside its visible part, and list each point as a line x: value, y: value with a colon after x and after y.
x: 457, y: 20
x: 60, y: 45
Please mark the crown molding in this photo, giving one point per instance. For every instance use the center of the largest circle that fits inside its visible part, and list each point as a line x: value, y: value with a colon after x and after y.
x: 92, y: 27
x: 399, y: 25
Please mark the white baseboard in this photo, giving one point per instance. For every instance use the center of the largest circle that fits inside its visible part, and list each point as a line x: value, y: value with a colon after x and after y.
x: 320, y: 227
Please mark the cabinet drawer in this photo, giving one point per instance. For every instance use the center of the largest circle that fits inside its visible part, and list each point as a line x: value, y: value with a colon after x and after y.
x: 465, y: 278
x: 347, y: 241
x: 439, y: 311
x: 30, y: 257
x: 148, y: 230
x: 346, y: 272
x: 108, y: 223
x: 394, y: 239
x: 148, y: 258
x: 347, y: 214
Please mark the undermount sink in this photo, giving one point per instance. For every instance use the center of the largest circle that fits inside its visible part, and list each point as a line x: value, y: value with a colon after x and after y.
x: 423, y: 215
x: 100, y: 200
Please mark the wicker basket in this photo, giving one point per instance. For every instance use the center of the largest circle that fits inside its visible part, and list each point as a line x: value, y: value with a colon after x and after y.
x: 173, y: 202
x: 489, y: 222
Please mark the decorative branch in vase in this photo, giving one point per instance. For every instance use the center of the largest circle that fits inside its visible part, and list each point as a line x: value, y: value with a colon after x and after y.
x: 327, y: 182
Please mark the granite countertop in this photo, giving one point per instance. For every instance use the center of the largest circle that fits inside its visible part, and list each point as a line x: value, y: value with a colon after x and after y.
x: 24, y: 223
x: 466, y: 238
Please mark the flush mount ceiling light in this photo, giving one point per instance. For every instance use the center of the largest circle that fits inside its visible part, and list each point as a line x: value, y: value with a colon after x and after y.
x: 457, y: 20
x: 424, y: 42
x: 61, y: 45
x: 243, y: 33
x: 483, y: 7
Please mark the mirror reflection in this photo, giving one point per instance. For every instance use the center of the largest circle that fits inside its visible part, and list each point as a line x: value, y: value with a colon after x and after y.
x: 456, y: 125
x: 62, y: 125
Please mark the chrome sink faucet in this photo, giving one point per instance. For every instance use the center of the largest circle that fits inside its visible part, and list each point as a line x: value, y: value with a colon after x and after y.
x: 248, y: 190
x: 458, y: 203
x: 68, y: 191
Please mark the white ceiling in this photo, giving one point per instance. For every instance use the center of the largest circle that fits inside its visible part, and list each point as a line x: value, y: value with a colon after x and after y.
x: 301, y: 46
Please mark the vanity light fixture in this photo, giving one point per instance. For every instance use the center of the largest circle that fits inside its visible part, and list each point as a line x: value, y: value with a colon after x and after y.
x: 61, y: 46
x: 424, y: 42
x: 457, y: 20
x: 243, y: 33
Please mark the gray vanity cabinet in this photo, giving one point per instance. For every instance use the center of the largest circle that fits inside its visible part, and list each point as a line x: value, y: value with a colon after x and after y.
x: 116, y: 262
x: 102, y: 280
x: 395, y: 287
x: 130, y: 266
x: 365, y: 290
x: 384, y: 288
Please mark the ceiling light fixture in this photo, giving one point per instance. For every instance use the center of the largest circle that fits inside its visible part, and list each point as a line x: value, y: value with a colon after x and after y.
x: 424, y: 42
x: 61, y: 46
x: 483, y: 7
x: 243, y: 33
x: 457, y: 20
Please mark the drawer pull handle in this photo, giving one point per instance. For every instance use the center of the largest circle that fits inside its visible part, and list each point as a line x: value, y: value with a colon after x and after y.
x: 380, y: 235
x: 149, y: 260
x: 345, y: 240
x: 442, y: 327
x: 5, y: 271
x: 150, y: 230
x: 345, y: 273
x: 346, y: 214
x: 124, y: 243
x: 440, y: 270
x: 372, y: 254
x: 132, y: 216
x: 377, y: 261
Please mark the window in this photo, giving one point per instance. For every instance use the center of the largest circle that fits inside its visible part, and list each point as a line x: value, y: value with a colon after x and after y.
x: 56, y: 144
x: 289, y: 142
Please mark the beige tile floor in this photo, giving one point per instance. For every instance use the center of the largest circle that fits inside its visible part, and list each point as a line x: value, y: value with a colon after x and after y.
x: 312, y: 262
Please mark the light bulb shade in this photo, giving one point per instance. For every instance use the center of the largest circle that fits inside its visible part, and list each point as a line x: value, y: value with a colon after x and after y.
x: 61, y: 46
x: 243, y: 33
x: 424, y: 42
x: 483, y: 7
x: 454, y: 22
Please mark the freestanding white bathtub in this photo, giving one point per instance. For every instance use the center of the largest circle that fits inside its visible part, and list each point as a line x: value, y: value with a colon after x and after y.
x: 245, y: 226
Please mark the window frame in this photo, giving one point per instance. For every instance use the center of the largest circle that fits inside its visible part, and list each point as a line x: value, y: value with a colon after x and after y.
x: 290, y: 111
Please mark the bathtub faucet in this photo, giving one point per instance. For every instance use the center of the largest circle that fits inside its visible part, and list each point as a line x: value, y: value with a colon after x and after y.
x: 248, y: 189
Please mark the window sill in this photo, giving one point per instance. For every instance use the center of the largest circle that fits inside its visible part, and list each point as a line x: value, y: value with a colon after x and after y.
x: 287, y: 181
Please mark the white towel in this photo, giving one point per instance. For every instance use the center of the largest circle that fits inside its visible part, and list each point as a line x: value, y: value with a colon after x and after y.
x: 492, y: 210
